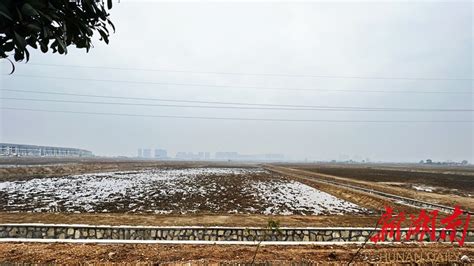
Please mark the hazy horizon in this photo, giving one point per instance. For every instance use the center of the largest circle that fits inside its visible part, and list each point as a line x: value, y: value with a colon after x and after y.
x: 376, y: 55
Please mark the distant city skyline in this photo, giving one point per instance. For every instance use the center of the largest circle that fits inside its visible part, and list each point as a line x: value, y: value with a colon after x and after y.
x: 160, y: 153
x: 27, y: 150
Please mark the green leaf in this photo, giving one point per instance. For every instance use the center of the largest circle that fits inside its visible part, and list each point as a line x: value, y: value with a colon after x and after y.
x: 45, y: 16
x: 20, y: 15
x: 4, y: 12
x: 38, y: 4
x: 111, y: 24
x: 104, y: 28
x: 104, y: 35
x: 89, y: 32
x: 61, y: 47
x: 46, y: 32
x: 5, y: 15
x: 28, y: 10
x: 20, y: 40
x: 19, y: 55
x: 51, y: 25
x: 27, y: 55
x: 33, y: 27
x: 32, y: 42
x: 54, y: 46
x: 43, y: 47
x: 9, y: 46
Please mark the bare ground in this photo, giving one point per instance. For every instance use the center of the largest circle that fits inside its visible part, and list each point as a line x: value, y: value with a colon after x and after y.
x: 456, y: 181
x: 466, y: 203
x: 170, y: 190
x: 196, y: 219
x: 362, y: 199
x: 26, y: 168
x: 200, y: 254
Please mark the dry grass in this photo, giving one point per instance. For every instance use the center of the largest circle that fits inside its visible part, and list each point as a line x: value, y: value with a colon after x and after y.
x: 180, y: 254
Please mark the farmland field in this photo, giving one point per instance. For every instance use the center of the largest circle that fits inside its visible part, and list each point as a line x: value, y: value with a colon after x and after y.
x: 114, y: 192
x: 436, y: 179
x: 172, y: 191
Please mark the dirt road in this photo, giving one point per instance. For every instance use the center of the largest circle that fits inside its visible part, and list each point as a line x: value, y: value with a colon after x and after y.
x: 200, y: 254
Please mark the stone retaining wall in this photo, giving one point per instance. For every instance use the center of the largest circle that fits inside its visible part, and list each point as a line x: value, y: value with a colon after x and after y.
x: 40, y: 231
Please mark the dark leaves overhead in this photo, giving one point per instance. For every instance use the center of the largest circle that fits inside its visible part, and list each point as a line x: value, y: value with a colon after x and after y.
x: 51, y: 24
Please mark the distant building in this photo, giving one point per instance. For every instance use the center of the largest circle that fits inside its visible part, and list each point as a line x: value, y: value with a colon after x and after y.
x: 161, y: 153
x: 200, y: 156
x: 248, y: 157
x: 146, y: 153
x: 9, y: 149
x: 140, y: 153
x: 181, y: 155
x: 227, y: 155
x: 187, y: 156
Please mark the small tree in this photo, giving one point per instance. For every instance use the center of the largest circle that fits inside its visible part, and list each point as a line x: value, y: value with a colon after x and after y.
x: 272, y: 226
x: 51, y: 24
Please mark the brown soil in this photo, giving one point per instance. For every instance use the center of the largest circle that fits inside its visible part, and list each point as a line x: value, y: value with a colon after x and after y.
x: 26, y: 168
x: 362, y: 199
x: 204, y: 192
x: 37, y: 253
x: 200, y: 254
x: 445, y: 199
x: 366, y: 200
x: 459, y: 181
x: 409, y: 167
x: 197, y: 219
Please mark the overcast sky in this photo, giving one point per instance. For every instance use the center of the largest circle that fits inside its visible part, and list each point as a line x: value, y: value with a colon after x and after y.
x: 356, y: 39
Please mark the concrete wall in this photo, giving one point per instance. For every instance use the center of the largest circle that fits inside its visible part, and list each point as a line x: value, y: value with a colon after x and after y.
x: 37, y: 231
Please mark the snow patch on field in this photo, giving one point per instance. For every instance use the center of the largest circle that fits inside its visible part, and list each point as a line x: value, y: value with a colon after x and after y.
x: 423, y: 188
x: 286, y: 197
x: 164, y: 191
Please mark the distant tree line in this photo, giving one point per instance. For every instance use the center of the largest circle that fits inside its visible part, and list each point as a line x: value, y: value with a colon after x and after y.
x: 429, y: 161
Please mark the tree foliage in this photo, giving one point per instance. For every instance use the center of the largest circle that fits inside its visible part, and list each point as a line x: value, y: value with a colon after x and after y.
x: 51, y: 25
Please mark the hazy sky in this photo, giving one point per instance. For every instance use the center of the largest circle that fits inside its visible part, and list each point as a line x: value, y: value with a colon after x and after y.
x: 362, y: 39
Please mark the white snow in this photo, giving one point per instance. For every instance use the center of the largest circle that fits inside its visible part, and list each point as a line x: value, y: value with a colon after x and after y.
x: 285, y: 197
x: 423, y: 188
x: 164, y: 191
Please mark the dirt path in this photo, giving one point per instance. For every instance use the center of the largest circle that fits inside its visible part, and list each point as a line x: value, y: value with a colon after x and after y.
x: 369, y: 201
x: 363, y: 199
x: 200, y: 254
x: 195, y: 219
x: 449, y: 200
